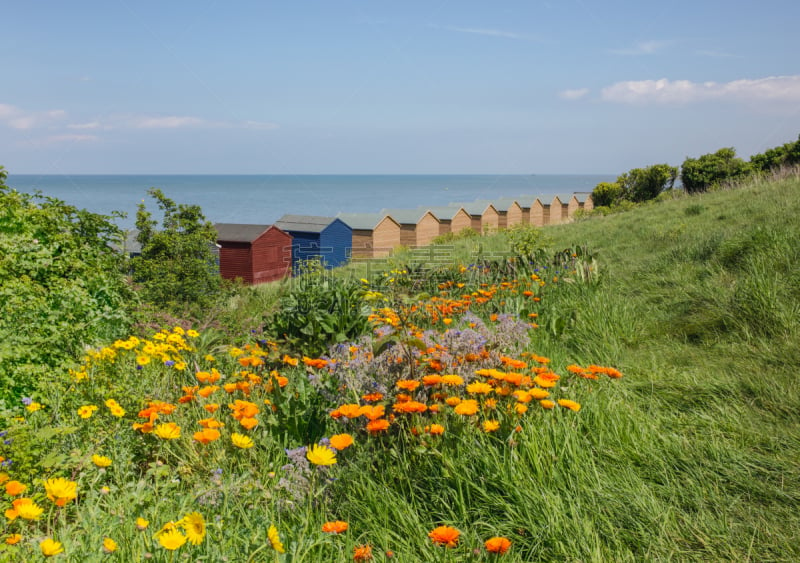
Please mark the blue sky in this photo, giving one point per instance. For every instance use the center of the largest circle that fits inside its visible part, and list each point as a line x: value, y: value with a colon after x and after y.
x: 372, y: 86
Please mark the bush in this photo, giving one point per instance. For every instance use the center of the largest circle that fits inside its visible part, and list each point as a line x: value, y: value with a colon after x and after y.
x: 700, y: 174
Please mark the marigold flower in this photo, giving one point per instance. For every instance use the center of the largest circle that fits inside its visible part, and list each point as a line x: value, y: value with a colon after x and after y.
x: 14, y: 539
x: 571, y: 405
x: 336, y: 527
x: 211, y: 408
x: 249, y: 423
x: 86, y: 411
x: 431, y: 380
x: 435, y: 429
x: 497, y: 545
x: 377, y: 425
x: 372, y: 412
x: 14, y: 488
x: 101, y: 460
x: 539, y: 394
x: 51, y: 547
x: 142, y: 524
x: 341, y: 441
x: 206, y: 435
x: 521, y: 408
x: 491, y: 425
x: 242, y: 441
x: 445, y: 535
x: 547, y: 404
x: 109, y: 545
x: 24, y: 508
x: 60, y: 490
x: 171, y: 539
x: 195, y: 527
x: 452, y: 379
x: 320, y: 455
x: 275, y: 539
x: 372, y: 397
x: 409, y: 407
x: 362, y: 553
x: 479, y: 388
x: 168, y: 431
x: 407, y: 385
x: 466, y: 408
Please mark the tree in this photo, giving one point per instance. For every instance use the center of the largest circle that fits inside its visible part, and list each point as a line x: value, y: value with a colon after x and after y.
x: 643, y: 184
x: 699, y: 174
x: 177, y: 267
x: 61, y: 287
x: 606, y: 194
x: 787, y: 154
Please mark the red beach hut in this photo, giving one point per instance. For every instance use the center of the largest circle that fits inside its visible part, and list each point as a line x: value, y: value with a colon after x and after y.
x: 254, y: 253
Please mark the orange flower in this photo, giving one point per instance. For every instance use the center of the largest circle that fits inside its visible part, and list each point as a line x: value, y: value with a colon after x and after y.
x: 466, y: 408
x: 547, y: 404
x: 372, y: 397
x: 211, y: 407
x: 435, y: 429
x: 431, y: 380
x: 362, y: 553
x: 539, y: 394
x: 249, y: 423
x: 341, y: 441
x: 373, y: 412
x: 497, y: 545
x: 571, y: 405
x: 452, y: 380
x: 409, y: 406
x: 445, y: 535
x: 206, y: 435
x: 378, y: 425
x: 336, y: 527
x: 348, y: 411
x: 289, y: 360
x: 479, y: 388
x: 490, y: 426
x: 14, y: 488
x: 452, y: 401
x: 407, y: 384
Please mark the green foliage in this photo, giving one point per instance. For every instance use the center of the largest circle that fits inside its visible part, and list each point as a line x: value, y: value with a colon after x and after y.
x: 177, y: 268
x: 527, y: 242
x: 606, y: 194
x: 643, y: 184
x: 319, y: 310
x: 785, y: 155
x: 61, y: 286
x: 452, y: 237
x: 700, y: 174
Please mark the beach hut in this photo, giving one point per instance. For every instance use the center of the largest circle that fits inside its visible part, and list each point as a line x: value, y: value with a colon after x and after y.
x: 525, y: 201
x: 484, y: 216
x: 374, y: 234
x: 418, y: 227
x: 327, y: 239
x: 509, y: 212
x: 559, y: 209
x: 584, y: 200
x: 540, y: 213
x: 254, y: 253
x: 452, y: 218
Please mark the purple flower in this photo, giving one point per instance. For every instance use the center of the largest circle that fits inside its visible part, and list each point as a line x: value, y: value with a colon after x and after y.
x: 26, y: 401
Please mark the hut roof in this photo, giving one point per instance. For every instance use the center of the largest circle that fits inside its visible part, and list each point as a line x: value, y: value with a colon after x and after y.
x: 237, y: 232
x: 563, y: 198
x: 406, y: 216
x: 444, y: 212
x: 582, y: 196
x: 505, y: 203
x: 304, y: 223
x: 362, y: 221
x: 476, y: 207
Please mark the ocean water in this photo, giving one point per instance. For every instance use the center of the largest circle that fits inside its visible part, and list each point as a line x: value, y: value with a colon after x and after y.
x: 262, y: 199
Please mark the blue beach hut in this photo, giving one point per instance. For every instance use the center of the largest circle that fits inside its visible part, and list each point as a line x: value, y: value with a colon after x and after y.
x: 325, y: 238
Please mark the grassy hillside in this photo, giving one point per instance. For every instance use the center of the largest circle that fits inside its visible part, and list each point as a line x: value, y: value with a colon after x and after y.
x: 691, y: 455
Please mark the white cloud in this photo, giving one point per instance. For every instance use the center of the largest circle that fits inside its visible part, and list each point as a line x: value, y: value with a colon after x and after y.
x: 664, y: 91
x: 17, y: 118
x: 59, y: 139
x: 574, y: 94
x: 89, y: 125
x: 260, y: 125
x: 167, y: 122
x: 642, y: 48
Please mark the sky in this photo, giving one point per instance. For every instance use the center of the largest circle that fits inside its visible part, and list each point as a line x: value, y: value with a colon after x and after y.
x: 380, y: 87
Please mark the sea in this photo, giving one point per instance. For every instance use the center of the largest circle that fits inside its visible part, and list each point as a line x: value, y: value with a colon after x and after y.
x: 263, y: 199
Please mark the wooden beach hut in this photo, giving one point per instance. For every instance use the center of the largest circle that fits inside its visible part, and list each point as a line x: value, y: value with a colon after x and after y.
x: 540, y: 213
x: 484, y: 216
x: 525, y: 201
x: 584, y: 200
x: 374, y: 234
x: 254, y: 253
x: 327, y: 239
x: 509, y: 212
x: 452, y: 219
x: 559, y: 209
x: 418, y: 227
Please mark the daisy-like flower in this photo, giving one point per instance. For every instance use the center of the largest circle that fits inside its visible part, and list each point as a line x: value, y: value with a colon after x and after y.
x: 571, y: 405
x: 547, y: 404
x: 14, y: 539
x: 377, y: 425
x: 86, y: 411
x: 242, y: 441
x: 101, y: 460
x: 490, y: 425
x: 14, y: 488
x: 362, y: 553
x: 341, y: 441
x: 195, y: 527
x: 50, y: 547
x: 60, y: 490
x: 168, y: 431
x: 336, y: 527
x: 321, y: 455
x: 479, y: 388
x: 466, y: 408
x: 275, y: 539
x: 497, y: 545
x: 109, y: 545
x: 207, y: 435
x: 435, y: 429
x: 141, y: 524
x: 171, y: 539
x: 452, y: 379
x: 24, y: 508
x: 445, y: 535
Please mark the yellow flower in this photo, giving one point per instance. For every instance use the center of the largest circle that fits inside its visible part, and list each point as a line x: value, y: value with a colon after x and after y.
x: 490, y: 425
x: 466, y: 408
x: 241, y: 441
x: 109, y: 545
x: 275, y: 539
x: 33, y: 407
x: 195, y: 527
x: 479, y: 388
x: 192, y: 333
x: 51, y: 547
x: 171, y: 539
x: 142, y: 359
x: 101, y: 460
x: 141, y: 524
x: 321, y: 455
x: 24, y: 508
x: 178, y: 330
x: 452, y: 380
x: 86, y: 411
x: 60, y: 490
x: 571, y: 405
x: 168, y: 431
